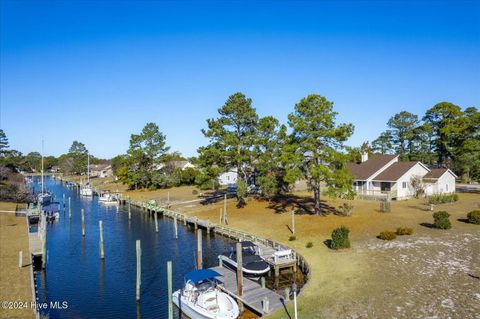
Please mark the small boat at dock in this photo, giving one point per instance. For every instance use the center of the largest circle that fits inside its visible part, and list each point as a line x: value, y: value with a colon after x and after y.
x: 202, y: 299
x: 252, y: 264
x: 107, y: 199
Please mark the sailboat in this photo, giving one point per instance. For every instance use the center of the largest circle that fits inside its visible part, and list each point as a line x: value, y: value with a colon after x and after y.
x: 87, y: 190
x: 44, y: 198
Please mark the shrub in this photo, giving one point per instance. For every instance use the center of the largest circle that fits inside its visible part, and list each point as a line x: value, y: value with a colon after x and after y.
x: 292, y: 238
x: 442, y: 198
x: 474, y: 217
x: 345, y: 209
x: 194, y: 192
x: 340, y: 238
x: 309, y: 244
x: 387, y: 235
x: 441, y: 220
x: 404, y: 231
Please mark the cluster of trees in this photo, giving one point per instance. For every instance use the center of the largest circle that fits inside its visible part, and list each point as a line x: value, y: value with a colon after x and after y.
x: 147, y: 163
x: 446, y: 136
x: 12, y: 187
x: 260, y: 149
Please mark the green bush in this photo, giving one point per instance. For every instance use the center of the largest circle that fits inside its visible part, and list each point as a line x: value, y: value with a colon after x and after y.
x: 441, y: 220
x: 474, y: 217
x: 292, y: 238
x: 309, y: 244
x: 404, y: 231
x: 340, y: 238
x: 387, y: 235
x: 194, y: 192
x: 442, y: 198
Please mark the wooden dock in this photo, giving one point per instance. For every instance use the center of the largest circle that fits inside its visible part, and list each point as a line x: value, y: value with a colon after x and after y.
x: 253, y: 293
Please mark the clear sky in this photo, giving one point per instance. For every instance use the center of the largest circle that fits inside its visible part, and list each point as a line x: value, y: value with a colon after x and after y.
x: 97, y: 71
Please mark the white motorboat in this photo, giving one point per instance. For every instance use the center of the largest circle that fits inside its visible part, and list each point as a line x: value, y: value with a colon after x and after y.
x: 201, y: 299
x: 252, y: 264
x: 107, y: 198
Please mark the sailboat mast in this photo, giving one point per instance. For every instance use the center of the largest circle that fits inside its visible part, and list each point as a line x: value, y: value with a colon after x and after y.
x: 88, y: 168
x: 42, y: 169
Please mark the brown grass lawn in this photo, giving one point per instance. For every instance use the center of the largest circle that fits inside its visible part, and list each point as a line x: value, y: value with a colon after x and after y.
x: 432, y: 273
x: 354, y: 283
x: 15, y: 283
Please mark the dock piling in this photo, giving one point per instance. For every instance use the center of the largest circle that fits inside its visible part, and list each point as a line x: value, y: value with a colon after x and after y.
x: 69, y: 207
x: 169, y: 291
x: 199, y: 249
x: 102, y: 252
x: 83, y: 222
x: 265, y: 305
x: 129, y: 209
x: 225, y: 219
x: 239, y: 275
x: 156, y: 222
x: 139, y: 270
x: 175, y: 228
x: 293, y: 222
x: 287, y: 294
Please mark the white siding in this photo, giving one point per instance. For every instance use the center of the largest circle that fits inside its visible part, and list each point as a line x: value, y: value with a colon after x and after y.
x: 446, y: 183
x: 227, y: 178
x: 404, y: 185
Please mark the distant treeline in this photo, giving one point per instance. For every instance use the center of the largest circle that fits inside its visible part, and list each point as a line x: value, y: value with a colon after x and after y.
x: 274, y: 156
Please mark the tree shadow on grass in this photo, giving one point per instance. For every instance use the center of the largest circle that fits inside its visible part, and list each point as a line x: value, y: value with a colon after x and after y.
x: 301, y: 205
x: 463, y: 220
x: 428, y: 225
x: 424, y: 209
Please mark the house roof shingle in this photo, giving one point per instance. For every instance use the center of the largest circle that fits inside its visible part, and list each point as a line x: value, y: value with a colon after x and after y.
x: 366, y: 169
x: 395, y: 171
x: 435, y: 173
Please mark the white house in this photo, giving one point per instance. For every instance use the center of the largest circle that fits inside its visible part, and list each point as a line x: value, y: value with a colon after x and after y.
x: 229, y: 177
x: 439, y: 180
x: 385, y: 175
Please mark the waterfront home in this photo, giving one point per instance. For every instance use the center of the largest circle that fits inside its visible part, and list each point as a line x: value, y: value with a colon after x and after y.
x: 386, y: 176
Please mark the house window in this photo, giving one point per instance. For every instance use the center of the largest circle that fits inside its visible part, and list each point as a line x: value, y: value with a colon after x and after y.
x: 404, y: 184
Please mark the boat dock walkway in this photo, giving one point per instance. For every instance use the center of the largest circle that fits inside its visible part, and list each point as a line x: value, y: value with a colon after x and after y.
x: 259, y: 299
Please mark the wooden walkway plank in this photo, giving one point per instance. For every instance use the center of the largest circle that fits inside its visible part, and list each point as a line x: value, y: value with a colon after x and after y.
x: 253, y: 293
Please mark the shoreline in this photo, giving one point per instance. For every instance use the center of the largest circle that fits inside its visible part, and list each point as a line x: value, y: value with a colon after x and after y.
x: 17, y: 286
x: 302, y: 263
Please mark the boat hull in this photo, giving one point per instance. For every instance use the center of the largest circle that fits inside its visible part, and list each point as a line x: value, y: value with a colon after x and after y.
x: 247, y: 272
x: 189, y: 310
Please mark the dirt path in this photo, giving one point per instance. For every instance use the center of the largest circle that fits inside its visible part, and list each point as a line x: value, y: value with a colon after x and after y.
x: 15, y: 282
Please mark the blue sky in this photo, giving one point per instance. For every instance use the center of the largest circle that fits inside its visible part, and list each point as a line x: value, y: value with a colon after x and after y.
x: 97, y: 71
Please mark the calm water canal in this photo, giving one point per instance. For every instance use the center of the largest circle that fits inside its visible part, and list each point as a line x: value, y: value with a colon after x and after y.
x: 106, y: 289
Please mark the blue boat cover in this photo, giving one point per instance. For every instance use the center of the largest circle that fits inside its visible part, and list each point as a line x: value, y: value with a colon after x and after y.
x: 203, y: 274
x: 51, y: 208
